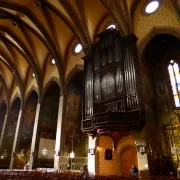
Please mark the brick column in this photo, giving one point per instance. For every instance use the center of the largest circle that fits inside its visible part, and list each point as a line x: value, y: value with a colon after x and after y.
x: 34, y: 136
x: 3, y: 129
x: 58, y: 134
x: 91, y: 156
x: 14, y: 149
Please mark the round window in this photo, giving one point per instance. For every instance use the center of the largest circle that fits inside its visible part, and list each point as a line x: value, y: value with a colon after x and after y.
x: 78, y: 48
x: 151, y: 7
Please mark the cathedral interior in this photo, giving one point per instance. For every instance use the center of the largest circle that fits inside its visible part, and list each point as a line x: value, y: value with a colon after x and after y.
x: 93, y: 82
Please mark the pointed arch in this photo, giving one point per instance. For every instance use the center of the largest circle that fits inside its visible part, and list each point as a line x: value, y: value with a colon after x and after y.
x: 33, y: 88
x: 4, y: 102
x: 48, y: 84
x: 3, y: 112
x: 76, y: 69
x: 153, y: 32
x: 14, y: 99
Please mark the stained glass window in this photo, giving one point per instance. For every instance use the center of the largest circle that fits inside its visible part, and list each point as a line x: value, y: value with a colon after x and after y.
x: 173, y: 69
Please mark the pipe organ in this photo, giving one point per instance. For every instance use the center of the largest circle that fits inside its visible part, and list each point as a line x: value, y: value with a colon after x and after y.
x: 112, y: 100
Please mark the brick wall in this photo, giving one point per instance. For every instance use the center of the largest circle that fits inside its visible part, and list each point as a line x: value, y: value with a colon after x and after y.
x: 106, y: 166
x: 166, y: 15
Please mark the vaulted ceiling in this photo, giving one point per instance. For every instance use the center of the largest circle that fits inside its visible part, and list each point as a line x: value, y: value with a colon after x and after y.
x: 30, y: 30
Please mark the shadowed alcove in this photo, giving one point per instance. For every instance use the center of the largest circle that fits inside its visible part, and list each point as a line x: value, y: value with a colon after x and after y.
x: 48, y: 124
x: 162, y: 84
x: 10, y: 130
x: 26, y: 130
x: 74, y: 139
x: 3, y: 109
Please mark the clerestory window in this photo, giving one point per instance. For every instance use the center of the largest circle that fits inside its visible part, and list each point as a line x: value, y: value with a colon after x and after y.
x: 174, y: 75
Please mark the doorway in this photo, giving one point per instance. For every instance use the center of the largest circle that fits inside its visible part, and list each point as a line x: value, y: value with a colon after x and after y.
x: 128, y: 156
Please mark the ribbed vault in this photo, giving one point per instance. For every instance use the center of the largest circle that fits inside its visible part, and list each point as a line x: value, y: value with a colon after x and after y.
x: 32, y: 30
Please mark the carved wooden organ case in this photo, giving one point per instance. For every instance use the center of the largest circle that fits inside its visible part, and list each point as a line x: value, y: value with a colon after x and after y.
x: 111, y: 96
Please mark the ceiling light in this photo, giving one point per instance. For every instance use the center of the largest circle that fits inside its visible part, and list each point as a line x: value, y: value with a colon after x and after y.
x: 53, y: 61
x: 152, y: 6
x: 78, y: 48
x: 112, y: 26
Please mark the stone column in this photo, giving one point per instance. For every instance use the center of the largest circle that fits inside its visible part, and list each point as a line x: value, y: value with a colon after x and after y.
x: 34, y: 136
x: 142, y: 158
x: 3, y: 129
x: 58, y: 134
x: 14, y: 149
x: 91, y: 155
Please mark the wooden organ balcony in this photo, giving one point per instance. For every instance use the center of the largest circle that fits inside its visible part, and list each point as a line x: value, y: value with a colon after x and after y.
x: 112, y: 100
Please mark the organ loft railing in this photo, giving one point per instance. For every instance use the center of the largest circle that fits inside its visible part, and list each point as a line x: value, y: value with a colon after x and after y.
x: 111, y: 96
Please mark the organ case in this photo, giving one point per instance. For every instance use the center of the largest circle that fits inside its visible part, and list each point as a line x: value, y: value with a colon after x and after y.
x: 112, y: 100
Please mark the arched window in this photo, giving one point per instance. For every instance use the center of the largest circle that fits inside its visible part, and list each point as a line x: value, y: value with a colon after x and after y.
x: 112, y: 26
x: 173, y: 69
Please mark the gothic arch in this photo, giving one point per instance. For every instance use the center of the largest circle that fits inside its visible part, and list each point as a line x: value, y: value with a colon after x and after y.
x: 73, y: 72
x: 127, y: 157
x: 152, y: 33
x: 48, y: 84
x: 13, y: 100
x: 4, y: 102
x: 33, y: 88
x: 126, y: 145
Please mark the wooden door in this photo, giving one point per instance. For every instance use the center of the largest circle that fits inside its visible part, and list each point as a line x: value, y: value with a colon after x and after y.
x: 128, y: 156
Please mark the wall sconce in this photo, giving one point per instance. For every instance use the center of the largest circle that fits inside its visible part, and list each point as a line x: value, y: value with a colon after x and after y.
x: 99, y: 148
x: 114, y: 146
x: 91, y: 151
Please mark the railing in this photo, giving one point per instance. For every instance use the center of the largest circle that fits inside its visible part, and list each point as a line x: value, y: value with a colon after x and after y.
x: 122, y: 110
x: 67, y: 163
x: 86, y: 124
x: 132, y: 102
x: 121, y: 118
x: 115, y: 106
